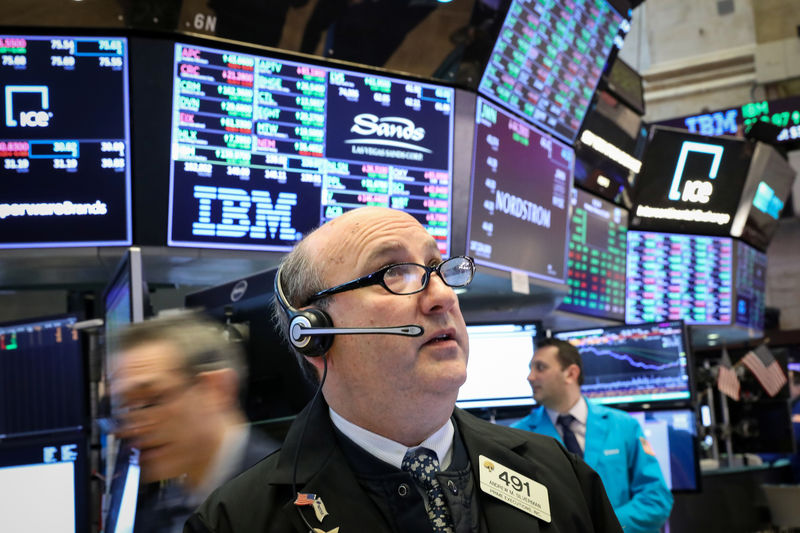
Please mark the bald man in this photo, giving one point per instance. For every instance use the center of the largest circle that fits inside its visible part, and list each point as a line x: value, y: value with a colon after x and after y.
x: 383, y: 448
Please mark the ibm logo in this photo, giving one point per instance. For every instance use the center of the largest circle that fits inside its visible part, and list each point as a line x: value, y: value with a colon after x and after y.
x: 31, y: 118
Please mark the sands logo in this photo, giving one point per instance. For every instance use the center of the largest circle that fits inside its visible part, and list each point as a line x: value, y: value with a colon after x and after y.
x: 387, y: 131
x: 30, y: 118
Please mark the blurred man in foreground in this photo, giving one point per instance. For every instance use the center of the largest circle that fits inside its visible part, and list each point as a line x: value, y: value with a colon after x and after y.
x: 383, y: 448
x: 177, y: 383
x: 609, y: 440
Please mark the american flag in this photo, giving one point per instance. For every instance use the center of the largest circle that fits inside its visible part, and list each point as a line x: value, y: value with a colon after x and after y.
x: 768, y: 371
x: 727, y: 380
x: 304, y: 498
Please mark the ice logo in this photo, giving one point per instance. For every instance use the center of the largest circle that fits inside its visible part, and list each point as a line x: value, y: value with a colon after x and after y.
x: 695, y: 190
x: 389, y: 128
x: 31, y: 118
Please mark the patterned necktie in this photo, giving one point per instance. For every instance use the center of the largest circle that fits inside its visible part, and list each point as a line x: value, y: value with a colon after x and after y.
x: 423, y: 464
x: 570, y: 441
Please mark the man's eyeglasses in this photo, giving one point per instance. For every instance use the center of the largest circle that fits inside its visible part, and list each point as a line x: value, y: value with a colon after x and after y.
x: 409, y: 278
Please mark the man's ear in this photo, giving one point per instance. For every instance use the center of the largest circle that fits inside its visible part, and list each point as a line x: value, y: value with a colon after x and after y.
x: 573, y: 372
x: 224, y: 383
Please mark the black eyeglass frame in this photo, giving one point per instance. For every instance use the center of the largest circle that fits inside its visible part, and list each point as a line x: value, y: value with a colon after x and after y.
x: 376, y: 278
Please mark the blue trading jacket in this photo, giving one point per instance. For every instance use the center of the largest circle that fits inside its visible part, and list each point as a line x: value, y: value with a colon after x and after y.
x: 615, y: 444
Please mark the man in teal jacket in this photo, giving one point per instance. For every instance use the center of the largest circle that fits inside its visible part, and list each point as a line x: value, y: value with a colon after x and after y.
x: 610, y: 440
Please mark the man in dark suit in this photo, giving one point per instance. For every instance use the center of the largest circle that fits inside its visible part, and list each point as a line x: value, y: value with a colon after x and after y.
x: 384, y: 449
x: 177, y: 382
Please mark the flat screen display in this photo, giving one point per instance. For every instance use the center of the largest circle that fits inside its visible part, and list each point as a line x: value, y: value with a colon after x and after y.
x: 690, y: 183
x: 672, y: 435
x: 751, y: 286
x: 266, y: 149
x: 64, y: 142
x: 45, y: 485
x: 42, y: 384
x: 645, y: 363
x: 519, y: 198
x: 548, y: 59
x: 596, y: 260
x: 679, y: 277
x: 498, y: 366
x: 124, y: 492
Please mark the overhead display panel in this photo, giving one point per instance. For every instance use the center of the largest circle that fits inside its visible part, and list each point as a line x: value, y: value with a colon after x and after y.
x: 679, y: 277
x: 596, y: 259
x: 690, y: 183
x: 548, y: 59
x: 521, y: 182
x: 265, y: 149
x: 64, y: 141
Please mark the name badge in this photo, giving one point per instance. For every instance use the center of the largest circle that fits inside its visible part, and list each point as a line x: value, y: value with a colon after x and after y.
x: 513, y: 488
x: 615, y: 451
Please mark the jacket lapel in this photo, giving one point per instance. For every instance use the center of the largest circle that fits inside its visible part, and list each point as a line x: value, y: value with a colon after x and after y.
x: 499, y: 515
x: 322, y: 465
x: 596, y: 432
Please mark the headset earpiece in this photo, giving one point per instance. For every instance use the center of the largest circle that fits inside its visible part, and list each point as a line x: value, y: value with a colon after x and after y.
x: 308, y: 345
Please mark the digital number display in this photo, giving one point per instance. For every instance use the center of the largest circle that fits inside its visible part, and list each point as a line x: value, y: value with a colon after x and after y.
x: 596, y: 259
x: 64, y: 142
x: 521, y: 182
x: 674, y: 277
x: 264, y: 150
x: 549, y: 57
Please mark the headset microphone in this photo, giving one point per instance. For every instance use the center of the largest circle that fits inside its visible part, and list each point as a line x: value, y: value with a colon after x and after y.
x: 311, y: 330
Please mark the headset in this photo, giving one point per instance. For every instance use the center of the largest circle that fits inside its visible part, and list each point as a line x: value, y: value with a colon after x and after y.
x: 311, y: 330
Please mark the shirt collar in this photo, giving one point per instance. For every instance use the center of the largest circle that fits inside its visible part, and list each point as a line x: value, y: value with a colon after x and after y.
x: 392, y: 452
x: 580, y: 411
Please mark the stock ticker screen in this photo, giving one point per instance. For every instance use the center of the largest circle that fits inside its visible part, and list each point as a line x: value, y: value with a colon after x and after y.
x: 264, y: 150
x: 41, y: 377
x: 548, y: 59
x: 679, y: 277
x: 64, y: 142
x: 633, y: 363
x: 596, y: 258
x: 521, y: 182
x: 751, y: 286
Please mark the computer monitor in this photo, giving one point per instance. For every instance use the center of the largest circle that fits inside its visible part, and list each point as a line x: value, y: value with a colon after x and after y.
x: 548, y: 60
x: 674, y: 276
x: 626, y: 83
x: 499, y: 359
x: 266, y: 148
x: 45, y: 484
x: 64, y: 141
x: 43, y: 386
x: 751, y: 287
x: 672, y: 435
x: 124, y: 300
x: 597, y: 256
x: 519, y: 197
x: 124, y: 492
x: 642, y: 365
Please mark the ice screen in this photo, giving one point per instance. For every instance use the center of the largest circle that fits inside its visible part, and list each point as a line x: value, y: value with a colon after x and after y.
x: 499, y: 359
x: 521, y: 182
x: 264, y: 149
x: 596, y: 259
x: 64, y: 142
x: 633, y: 363
x: 548, y: 59
x: 751, y: 286
x: 42, y: 386
x: 673, y: 276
